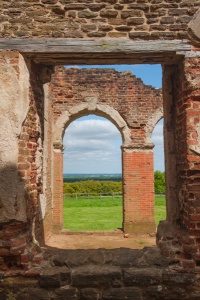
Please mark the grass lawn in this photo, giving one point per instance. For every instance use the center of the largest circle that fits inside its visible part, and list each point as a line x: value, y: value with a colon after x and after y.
x: 100, y: 214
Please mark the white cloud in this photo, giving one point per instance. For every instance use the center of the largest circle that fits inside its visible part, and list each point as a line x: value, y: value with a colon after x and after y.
x: 157, y: 139
x: 92, y: 146
x: 157, y: 136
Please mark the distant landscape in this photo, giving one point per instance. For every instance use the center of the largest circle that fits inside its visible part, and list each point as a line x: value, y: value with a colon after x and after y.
x: 94, y: 201
x: 74, y: 182
x: 95, y: 177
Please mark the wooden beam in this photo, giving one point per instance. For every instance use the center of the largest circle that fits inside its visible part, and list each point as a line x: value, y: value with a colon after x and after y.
x: 57, y: 50
x: 52, y: 45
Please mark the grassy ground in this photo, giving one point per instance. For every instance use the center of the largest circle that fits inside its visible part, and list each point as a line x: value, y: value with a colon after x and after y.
x: 100, y: 214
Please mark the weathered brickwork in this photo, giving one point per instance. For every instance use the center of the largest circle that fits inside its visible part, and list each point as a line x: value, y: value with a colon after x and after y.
x: 27, y: 134
x: 18, y: 242
x: 183, y: 206
x: 143, y: 19
x: 135, y: 102
x: 78, y: 92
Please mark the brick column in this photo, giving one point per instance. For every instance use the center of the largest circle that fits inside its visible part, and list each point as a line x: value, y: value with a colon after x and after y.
x: 188, y: 162
x: 138, y: 190
x: 57, y: 190
x: 178, y: 236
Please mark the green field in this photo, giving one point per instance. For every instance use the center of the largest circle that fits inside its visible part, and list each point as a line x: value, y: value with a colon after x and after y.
x: 101, y: 214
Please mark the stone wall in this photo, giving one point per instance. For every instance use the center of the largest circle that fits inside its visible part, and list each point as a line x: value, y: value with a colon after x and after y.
x: 104, y: 275
x: 143, y: 19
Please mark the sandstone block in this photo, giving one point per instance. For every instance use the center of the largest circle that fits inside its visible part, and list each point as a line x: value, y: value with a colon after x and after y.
x: 135, y: 21
x: 123, y: 28
x: 96, y: 7
x: 167, y: 20
x: 97, y: 34
x: 131, y: 13
x: 109, y: 13
x: 87, y: 14
x: 118, y: 7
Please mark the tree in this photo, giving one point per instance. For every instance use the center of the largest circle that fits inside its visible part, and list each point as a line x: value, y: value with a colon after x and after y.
x: 159, y: 182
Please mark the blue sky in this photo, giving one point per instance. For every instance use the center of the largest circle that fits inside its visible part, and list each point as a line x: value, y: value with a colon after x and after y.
x: 92, y: 144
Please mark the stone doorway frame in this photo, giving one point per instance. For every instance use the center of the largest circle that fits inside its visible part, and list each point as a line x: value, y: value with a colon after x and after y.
x: 179, y: 59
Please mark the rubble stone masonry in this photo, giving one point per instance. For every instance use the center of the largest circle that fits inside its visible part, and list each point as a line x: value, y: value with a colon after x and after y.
x: 142, y: 19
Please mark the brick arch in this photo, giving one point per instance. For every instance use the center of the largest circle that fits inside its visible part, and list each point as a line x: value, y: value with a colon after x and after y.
x: 155, y: 118
x: 120, y: 97
x: 78, y: 111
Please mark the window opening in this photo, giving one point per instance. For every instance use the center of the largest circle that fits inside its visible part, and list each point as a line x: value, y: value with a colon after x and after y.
x: 159, y: 172
x: 92, y: 175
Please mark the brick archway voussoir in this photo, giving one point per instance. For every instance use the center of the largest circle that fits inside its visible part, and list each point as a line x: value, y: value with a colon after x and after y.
x: 85, y: 109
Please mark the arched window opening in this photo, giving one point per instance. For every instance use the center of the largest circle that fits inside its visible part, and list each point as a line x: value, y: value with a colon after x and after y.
x: 159, y: 173
x: 92, y: 191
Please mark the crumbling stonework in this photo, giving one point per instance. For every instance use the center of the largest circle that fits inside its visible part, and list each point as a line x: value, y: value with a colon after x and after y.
x: 105, y: 274
x: 135, y: 109
x: 95, y: 32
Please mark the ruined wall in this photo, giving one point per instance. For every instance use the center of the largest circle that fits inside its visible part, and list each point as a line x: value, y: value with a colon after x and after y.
x: 22, y: 168
x: 144, y: 19
x: 139, y: 105
x: 14, y: 91
x: 135, y: 109
x: 183, y: 166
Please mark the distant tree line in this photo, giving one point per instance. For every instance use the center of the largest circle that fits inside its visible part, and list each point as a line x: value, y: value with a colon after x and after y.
x: 108, y: 186
x: 92, y: 187
x: 75, y: 178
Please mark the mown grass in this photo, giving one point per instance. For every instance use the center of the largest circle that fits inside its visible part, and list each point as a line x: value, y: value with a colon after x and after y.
x: 100, y: 214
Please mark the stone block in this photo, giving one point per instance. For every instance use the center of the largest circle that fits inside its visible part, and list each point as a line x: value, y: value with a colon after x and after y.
x: 173, y: 277
x: 135, y: 21
x: 54, y: 277
x: 142, y: 277
x: 87, y: 14
x: 109, y: 13
x: 89, y: 294
x: 93, y: 276
x: 66, y: 292
x: 128, y: 293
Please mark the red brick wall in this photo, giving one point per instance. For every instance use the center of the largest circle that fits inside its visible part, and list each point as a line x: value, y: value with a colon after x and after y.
x: 127, y: 94
x: 57, y: 190
x: 137, y: 104
x: 188, y: 154
x: 138, y: 190
x: 179, y: 237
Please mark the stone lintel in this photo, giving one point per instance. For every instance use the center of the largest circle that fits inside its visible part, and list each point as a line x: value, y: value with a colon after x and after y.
x: 137, y: 148
x: 58, y: 147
